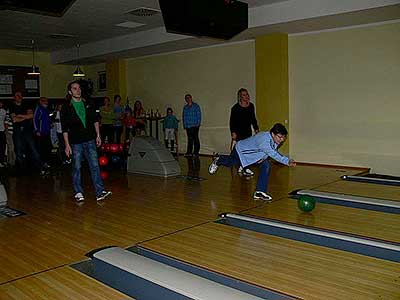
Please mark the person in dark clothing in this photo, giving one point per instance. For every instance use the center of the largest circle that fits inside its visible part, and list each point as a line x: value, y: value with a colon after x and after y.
x: 242, y: 118
x: 23, y: 138
x: 42, y: 126
x: 81, y: 133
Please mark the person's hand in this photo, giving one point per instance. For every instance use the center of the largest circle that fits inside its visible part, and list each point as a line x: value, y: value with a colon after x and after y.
x: 234, y: 136
x: 256, y: 131
x: 292, y: 163
x: 38, y: 133
x: 68, y: 150
x: 98, y: 141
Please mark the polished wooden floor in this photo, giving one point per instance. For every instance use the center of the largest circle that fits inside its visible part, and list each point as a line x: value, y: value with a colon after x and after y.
x: 36, y: 249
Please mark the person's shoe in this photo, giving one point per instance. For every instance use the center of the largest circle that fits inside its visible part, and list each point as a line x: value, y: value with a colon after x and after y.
x: 44, y: 172
x: 245, y: 171
x: 2, y: 165
x: 213, y: 166
x: 79, y: 197
x: 188, y: 155
x: 262, y: 196
x: 103, y: 195
x: 46, y: 166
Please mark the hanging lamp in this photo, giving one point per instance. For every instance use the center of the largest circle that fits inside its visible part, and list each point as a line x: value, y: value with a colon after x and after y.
x: 35, y: 69
x: 78, y: 72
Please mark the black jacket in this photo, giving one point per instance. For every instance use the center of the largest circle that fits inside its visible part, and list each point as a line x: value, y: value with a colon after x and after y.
x: 241, y: 120
x: 72, y: 124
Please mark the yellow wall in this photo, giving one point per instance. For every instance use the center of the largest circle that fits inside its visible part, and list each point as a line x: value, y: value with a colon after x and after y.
x: 344, y: 97
x: 212, y: 75
x: 272, y: 84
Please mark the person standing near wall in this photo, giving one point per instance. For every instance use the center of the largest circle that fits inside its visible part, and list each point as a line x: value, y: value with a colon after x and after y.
x: 22, y: 116
x: 3, y: 114
x: 81, y: 136
x: 242, y: 118
x: 191, y: 118
x: 118, y: 117
x: 42, y: 124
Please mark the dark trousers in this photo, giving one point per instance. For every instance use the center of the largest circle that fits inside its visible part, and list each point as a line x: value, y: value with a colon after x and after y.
x: 118, y: 133
x: 44, y: 147
x: 234, y: 160
x: 61, y: 147
x: 107, y: 132
x: 193, y: 140
x: 2, y: 146
x: 23, y: 141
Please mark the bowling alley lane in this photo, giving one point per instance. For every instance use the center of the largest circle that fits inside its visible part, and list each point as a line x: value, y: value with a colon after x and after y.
x: 294, y: 268
x: 367, y: 223
x: 371, y: 190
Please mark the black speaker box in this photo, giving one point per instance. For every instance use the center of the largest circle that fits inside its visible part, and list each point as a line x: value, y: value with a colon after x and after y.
x: 222, y: 19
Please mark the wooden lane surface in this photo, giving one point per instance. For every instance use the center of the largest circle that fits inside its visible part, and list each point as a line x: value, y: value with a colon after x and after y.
x: 387, y: 192
x: 60, y: 284
x: 294, y: 268
x: 56, y: 231
x: 363, y: 222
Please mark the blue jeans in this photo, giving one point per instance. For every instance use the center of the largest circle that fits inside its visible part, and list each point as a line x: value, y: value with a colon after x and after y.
x: 234, y: 160
x: 87, y: 149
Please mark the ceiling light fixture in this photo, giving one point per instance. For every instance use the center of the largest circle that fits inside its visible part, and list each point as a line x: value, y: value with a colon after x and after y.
x: 78, y: 72
x: 35, y: 69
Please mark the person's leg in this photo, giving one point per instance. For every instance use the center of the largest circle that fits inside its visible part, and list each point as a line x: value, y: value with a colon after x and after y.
x: 118, y: 130
x: 189, y: 132
x: 90, y: 152
x: 263, y: 177
x: 77, y: 155
x: 172, y: 145
x: 2, y: 147
x: 19, y: 148
x: 10, y: 149
x: 30, y: 142
x: 229, y: 160
x: 196, y: 140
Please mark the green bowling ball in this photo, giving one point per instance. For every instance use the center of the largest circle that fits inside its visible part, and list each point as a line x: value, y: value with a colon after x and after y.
x: 306, y: 203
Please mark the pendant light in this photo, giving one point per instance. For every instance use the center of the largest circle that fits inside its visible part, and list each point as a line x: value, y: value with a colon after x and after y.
x: 35, y: 69
x: 78, y: 72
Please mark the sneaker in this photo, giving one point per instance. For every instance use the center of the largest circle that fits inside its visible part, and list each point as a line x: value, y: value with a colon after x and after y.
x: 103, y: 195
x: 245, y: 171
x: 2, y: 165
x: 213, y: 166
x: 79, y: 197
x: 46, y: 166
x: 262, y: 196
x: 44, y: 172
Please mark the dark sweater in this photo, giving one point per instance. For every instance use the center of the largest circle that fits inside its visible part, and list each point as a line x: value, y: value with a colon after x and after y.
x: 241, y: 120
x: 72, y: 124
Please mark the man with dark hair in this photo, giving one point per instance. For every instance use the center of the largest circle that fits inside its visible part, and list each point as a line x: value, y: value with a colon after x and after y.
x: 256, y: 150
x: 81, y: 134
x: 242, y: 118
x: 22, y: 118
x: 191, y: 118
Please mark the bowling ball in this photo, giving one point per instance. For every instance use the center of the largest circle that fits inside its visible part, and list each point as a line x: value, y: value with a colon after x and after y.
x: 306, y: 203
x: 115, y: 159
x: 114, y: 148
x: 104, y: 175
x: 103, y: 161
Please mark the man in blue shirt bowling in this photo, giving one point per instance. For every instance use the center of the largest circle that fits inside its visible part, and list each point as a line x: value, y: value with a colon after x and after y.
x: 256, y: 150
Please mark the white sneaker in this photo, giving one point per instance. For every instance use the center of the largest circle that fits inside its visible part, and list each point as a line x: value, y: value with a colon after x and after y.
x: 79, y: 197
x: 103, y: 195
x: 213, y: 166
x: 262, y: 196
x: 245, y: 172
